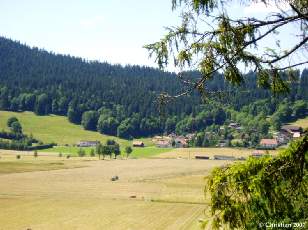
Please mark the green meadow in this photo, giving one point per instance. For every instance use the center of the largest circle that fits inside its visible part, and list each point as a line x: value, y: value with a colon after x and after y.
x: 137, y: 152
x: 53, y: 128
x: 58, y: 129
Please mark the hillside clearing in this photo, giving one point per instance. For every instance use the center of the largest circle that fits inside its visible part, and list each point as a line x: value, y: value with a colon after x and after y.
x: 54, y: 128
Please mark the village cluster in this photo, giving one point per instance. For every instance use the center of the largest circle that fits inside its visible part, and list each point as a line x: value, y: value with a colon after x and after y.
x: 283, y: 137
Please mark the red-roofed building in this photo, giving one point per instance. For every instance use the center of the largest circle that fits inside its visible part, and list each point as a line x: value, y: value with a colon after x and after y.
x: 268, y: 143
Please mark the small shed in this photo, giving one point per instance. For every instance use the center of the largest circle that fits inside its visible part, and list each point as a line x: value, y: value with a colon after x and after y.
x: 202, y: 157
x: 87, y: 143
x: 224, y: 157
x: 138, y: 144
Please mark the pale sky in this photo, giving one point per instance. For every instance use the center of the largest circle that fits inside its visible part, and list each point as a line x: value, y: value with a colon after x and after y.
x: 104, y: 30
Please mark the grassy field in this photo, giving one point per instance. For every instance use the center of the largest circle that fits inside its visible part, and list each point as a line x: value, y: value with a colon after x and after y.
x: 301, y: 122
x: 137, y: 152
x: 67, y: 150
x: 150, y: 193
x: 148, y: 151
x: 53, y: 128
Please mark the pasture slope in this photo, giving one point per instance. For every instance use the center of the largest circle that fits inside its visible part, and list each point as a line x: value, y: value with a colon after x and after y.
x: 53, y: 128
x: 150, y: 194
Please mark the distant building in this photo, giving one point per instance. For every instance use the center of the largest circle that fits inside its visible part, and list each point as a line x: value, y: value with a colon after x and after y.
x: 222, y: 143
x: 157, y: 138
x: 268, y: 143
x: 163, y: 144
x: 190, y: 136
x: 257, y: 153
x: 282, y: 137
x: 296, y: 134
x: 172, y: 140
x: 202, y: 157
x: 180, y: 142
x: 138, y: 144
x: 87, y: 143
x: 234, y: 125
x: 224, y: 157
x: 289, y: 130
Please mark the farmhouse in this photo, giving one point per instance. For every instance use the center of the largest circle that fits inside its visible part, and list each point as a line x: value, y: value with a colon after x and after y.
x: 268, y: 143
x: 172, y: 140
x: 87, y: 143
x: 180, y: 142
x: 163, y: 144
x: 296, y: 134
x: 282, y: 138
x: 157, y: 138
x: 290, y: 130
x: 138, y: 144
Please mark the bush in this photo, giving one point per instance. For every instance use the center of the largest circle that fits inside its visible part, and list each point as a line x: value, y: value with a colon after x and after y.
x: 92, y: 153
x: 60, y: 154
x: 81, y: 152
x: 17, y: 156
x: 35, y: 154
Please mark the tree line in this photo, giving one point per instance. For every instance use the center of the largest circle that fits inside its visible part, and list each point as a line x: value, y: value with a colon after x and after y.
x: 122, y: 101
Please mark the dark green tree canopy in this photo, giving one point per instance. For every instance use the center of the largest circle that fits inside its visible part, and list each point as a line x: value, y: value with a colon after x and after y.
x: 10, y: 121
x: 16, y: 127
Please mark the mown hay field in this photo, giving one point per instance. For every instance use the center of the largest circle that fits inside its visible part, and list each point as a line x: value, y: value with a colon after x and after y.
x: 190, y: 153
x: 150, y: 193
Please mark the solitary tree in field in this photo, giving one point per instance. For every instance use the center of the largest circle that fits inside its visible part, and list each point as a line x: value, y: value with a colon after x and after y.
x: 244, y: 195
x: 92, y: 153
x: 99, y: 151
x: 106, y: 150
x: 128, y: 151
x: 16, y: 127
x: 81, y: 152
x: 10, y: 121
x: 116, y: 150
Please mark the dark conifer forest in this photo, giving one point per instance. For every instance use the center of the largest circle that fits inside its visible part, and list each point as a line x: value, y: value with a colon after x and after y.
x: 122, y: 100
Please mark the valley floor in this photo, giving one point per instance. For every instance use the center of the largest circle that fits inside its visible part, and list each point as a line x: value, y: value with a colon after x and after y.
x: 77, y: 193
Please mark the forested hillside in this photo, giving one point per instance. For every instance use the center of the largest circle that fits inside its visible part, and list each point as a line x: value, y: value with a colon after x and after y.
x: 122, y: 101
